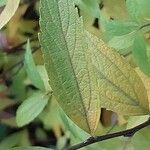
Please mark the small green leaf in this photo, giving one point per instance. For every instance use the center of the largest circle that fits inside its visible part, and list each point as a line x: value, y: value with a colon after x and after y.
x: 18, y: 87
x: 11, y: 141
x: 31, y: 108
x: 43, y: 73
x: 122, y: 42
x: 118, y: 28
x: 140, y: 54
x: 120, y: 35
x: 138, y: 9
x: 90, y: 7
x: 32, y: 70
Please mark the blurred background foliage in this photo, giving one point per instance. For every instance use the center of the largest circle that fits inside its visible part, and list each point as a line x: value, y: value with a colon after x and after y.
x: 23, y: 79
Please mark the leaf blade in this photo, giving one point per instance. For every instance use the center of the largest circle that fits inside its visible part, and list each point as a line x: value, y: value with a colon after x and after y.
x: 140, y: 54
x: 31, y: 108
x: 120, y: 85
x: 122, y: 42
x: 84, y: 73
x: 66, y: 76
x: 138, y: 10
x: 31, y: 69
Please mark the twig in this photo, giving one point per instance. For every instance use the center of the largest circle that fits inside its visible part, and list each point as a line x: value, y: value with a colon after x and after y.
x: 125, y: 133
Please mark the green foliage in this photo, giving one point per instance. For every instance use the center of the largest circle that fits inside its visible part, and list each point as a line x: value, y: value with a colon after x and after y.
x: 141, y: 140
x: 89, y: 9
x: 18, y: 88
x: 120, y: 35
x: 31, y: 108
x: 139, y: 10
x: 11, y: 141
x: 31, y: 69
x: 80, y: 66
x: 140, y: 54
x: 97, y: 90
x: 118, y: 28
x: 43, y: 74
x: 122, y: 42
x: 77, y: 134
x: 3, y: 2
x: 89, y: 6
x: 124, y: 35
x: 69, y: 77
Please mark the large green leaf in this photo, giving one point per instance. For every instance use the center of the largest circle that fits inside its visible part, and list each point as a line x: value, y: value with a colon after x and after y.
x: 84, y: 73
x: 31, y: 108
x: 140, y: 54
x: 67, y: 63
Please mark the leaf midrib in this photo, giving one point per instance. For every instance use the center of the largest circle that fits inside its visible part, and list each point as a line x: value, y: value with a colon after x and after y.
x: 81, y: 99
x: 71, y: 63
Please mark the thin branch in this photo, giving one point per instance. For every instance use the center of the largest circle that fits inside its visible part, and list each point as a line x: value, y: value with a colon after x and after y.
x: 125, y: 133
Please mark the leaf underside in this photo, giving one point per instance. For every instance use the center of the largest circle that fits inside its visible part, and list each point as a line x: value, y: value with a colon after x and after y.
x: 84, y: 73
